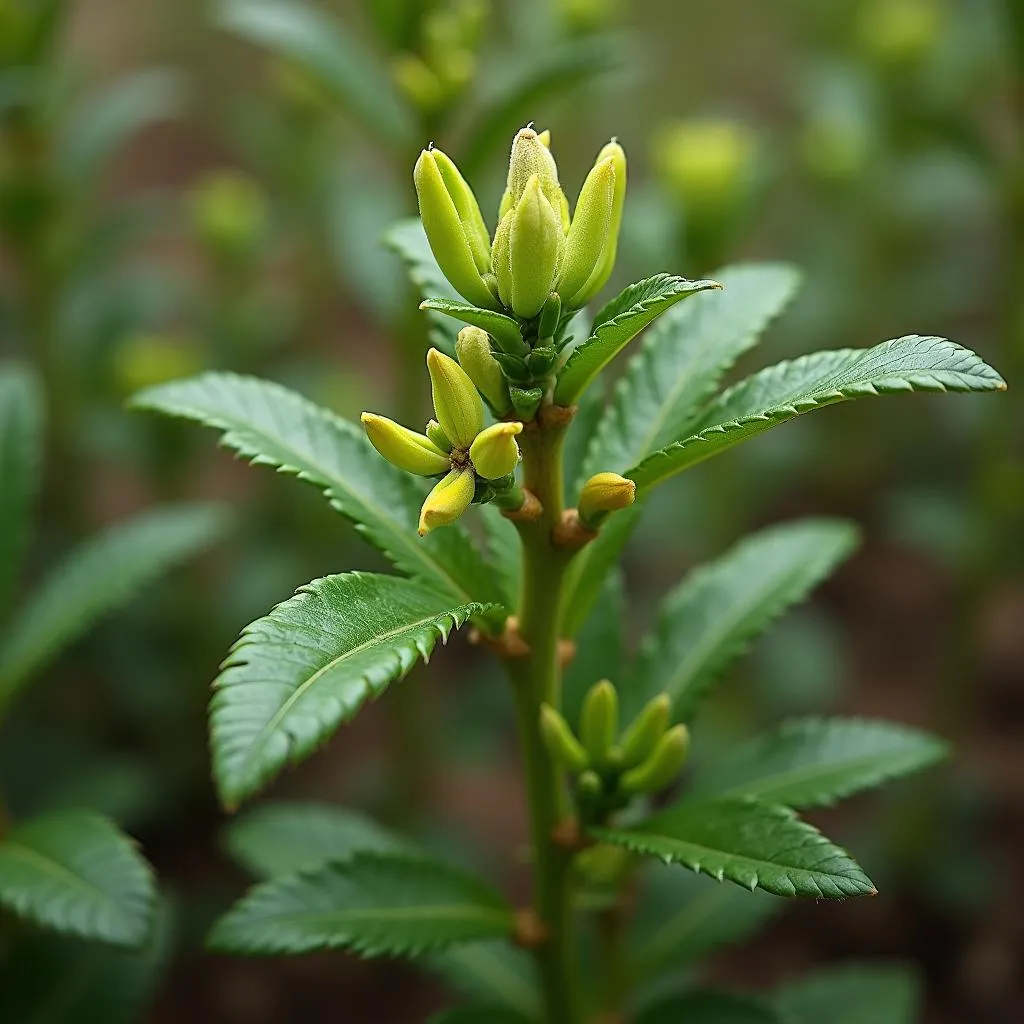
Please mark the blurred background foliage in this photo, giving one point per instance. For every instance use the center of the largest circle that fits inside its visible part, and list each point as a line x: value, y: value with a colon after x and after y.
x: 188, y: 185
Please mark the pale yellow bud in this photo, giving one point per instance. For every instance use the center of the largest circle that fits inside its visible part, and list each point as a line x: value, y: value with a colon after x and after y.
x: 603, y: 493
x: 494, y: 453
x: 457, y: 403
x: 404, y: 448
x: 447, y: 501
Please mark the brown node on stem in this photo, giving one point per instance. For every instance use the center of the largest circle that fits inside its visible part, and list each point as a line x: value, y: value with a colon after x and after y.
x: 510, y: 644
x: 551, y: 416
x: 570, y: 532
x: 530, y: 931
x: 566, y: 652
x: 568, y: 835
x: 530, y: 510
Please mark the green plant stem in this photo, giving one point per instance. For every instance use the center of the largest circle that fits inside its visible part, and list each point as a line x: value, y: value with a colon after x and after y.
x: 536, y: 678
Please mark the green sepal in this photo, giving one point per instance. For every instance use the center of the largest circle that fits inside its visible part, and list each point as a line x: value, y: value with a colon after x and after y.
x: 525, y: 401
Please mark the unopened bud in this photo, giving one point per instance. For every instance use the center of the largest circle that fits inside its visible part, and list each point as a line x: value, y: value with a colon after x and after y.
x: 588, y: 232
x: 438, y: 436
x: 562, y: 745
x: 606, y: 264
x: 457, y: 403
x: 647, y: 729
x: 536, y: 243
x: 604, y: 493
x: 494, y: 453
x: 501, y: 258
x: 531, y: 157
x: 468, y: 209
x: 662, y: 766
x: 599, y: 720
x: 473, y: 347
x: 404, y: 448
x: 447, y: 501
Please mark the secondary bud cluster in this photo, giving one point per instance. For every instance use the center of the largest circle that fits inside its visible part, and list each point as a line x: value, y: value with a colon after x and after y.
x: 609, y: 769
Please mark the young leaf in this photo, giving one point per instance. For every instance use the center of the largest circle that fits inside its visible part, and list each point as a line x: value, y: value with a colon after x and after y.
x: 707, y: 1007
x: 789, y: 389
x: 284, y: 838
x: 813, y: 762
x: 617, y: 325
x: 21, y: 442
x: 75, y: 873
x: 321, y: 44
x: 682, y: 359
x: 294, y: 676
x: 750, y: 843
x: 375, y: 904
x: 103, y: 573
x: 852, y: 994
x: 495, y: 972
x: 502, y: 328
x: 713, y: 614
x: 272, y: 426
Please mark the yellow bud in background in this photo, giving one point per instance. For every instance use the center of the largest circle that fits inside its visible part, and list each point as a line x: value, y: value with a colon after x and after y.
x: 603, y: 493
x: 457, y: 403
x: 473, y: 347
x: 447, y: 501
x: 536, y: 245
x: 599, y: 720
x: 561, y: 744
x: 531, y: 157
x: 663, y: 765
x: 229, y: 212
x: 588, y: 233
x: 705, y: 162
x: 404, y: 448
x: 896, y: 32
x: 494, y: 453
x: 418, y: 81
x: 606, y: 264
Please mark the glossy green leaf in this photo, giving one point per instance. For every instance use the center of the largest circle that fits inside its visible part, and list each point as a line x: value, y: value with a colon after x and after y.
x: 502, y: 328
x: 286, y: 837
x: 272, y: 426
x: 617, y: 324
x: 376, y: 904
x: 749, y: 843
x: 852, y: 994
x: 101, y: 574
x: 813, y: 762
x: 682, y: 359
x: 75, y: 873
x: 21, y: 443
x: 494, y: 972
x: 294, y: 676
x: 710, y: 618
x: 708, y: 1007
x: 789, y: 389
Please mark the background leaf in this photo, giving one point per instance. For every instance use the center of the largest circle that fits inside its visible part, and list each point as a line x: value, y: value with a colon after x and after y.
x: 751, y: 844
x: 852, y: 994
x: 375, y: 904
x: 479, y: 1015
x: 504, y: 551
x: 706, y: 1007
x: 789, y: 389
x: 494, y: 972
x: 714, y: 613
x: 75, y: 873
x: 101, y: 574
x: 813, y: 762
x: 294, y: 676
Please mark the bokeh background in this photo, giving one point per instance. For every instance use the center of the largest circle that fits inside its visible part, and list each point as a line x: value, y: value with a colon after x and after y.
x: 187, y: 185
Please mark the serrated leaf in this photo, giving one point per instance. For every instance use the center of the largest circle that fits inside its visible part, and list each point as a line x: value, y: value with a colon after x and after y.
x: 682, y: 917
x: 21, y: 443
x: 101, y: 574
x: 272, y: 426
x: 789, y: 389
x: 480, y: 1015
x: 286, y: 837
x: 502, y: 328
x: 495, y: 972
x: 599, y: 653
x: 709, y: 619
x: 376, y: 904
x: 682, y: 359
x: 852, y: 994
x: 749, y: 843
x: 294, y: 676
x: 321, y: 44
x: 708, y: 1007
x: 617, y: 324
x: 813, y: 762
x: 74, y: 872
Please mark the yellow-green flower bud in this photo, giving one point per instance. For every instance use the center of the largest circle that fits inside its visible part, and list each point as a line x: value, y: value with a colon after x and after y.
x: 640, y: 739
x: 662, y: 766
x: 531, y: 157
x: 536, y: 244
x: 404, y: 448
x: 437, y: 435
x: 501, y: 258
x: 473, y: 347
x: 494, y: 453
x: 447, y: 234
x: 457, y: 403
x: 606, y: 264
x: 561, y: 743
x: 588, y: 233
x: 599, y: 720
x: 468, y: 209
x: 705, y: 162
x: 447, y: 501
x: 603, y: 493
x: 418, y: 81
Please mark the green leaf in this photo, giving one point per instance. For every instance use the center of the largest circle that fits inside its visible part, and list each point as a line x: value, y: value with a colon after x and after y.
x: 100, y: 575
x: 21, y: 444
x: 505, y: 552
x: 709, y: 619
x: 286, y: 837
x: 502, y: 328
x: 617, y: 325
x: 74, y: 872
x: 707, y: 1007
x: 852, y: 994
x: 494, y: 972
x: 272, y: 426
x: 749, y: 843
x: 789, y: 389
x: 813, y: 762
x: 294, y: 676
x: 479, y: 1015
x: 376, y: 904
x: 323, y: 46
x: 682, y: 359
x: 682, y: 917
